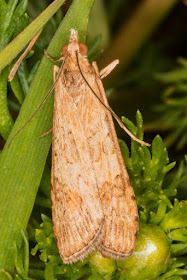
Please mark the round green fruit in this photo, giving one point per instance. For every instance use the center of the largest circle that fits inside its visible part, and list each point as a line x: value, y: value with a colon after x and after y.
x: 101, y: 265
x: 150, y: 257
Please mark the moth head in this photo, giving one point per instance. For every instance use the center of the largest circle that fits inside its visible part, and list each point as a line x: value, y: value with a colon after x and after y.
x: 74, y: 46
x: 81, y: 48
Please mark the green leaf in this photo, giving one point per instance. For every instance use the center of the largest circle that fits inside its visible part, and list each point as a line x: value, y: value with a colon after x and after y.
x: 176, y: 217
x: 179, y: 234
x: 173, y: 76
x: 6, y: 121
x: 129, y: 125
x: 49, y: 274
x: 28, y: 33
x: 139, y: 121
x: 157, y: 218
x: 20, y: 8
x: 17, y: 89
x: 179, y: 249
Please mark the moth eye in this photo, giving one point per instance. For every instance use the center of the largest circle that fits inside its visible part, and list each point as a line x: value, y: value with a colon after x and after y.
x: 83, y: 49
x: 64, y: 49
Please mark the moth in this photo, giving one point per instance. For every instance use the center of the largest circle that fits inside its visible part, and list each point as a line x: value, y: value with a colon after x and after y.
x: 93, y: 202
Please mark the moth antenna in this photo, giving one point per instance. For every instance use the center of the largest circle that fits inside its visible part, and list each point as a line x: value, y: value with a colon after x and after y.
x: 44, y: 100
x: 110, y: 110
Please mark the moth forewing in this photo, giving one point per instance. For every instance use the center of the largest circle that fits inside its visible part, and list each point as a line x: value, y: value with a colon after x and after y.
x: 76, y: 206
x: 116, y: 193
x: 93, y: 203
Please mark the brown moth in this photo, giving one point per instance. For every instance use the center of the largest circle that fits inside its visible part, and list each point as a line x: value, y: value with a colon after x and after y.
x: 93, y: 202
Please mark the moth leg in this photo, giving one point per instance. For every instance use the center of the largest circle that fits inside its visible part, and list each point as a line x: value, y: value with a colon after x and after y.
x: 46, y: 133
x: 54, y: 60
x: 106, y: 71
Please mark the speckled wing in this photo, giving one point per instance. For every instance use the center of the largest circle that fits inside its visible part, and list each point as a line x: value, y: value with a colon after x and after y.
x: 116, y: 193
x: 76, y: 206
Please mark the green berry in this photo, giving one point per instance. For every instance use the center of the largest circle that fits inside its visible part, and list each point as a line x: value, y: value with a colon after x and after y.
x: 150, y: 257
x: 101, y: 265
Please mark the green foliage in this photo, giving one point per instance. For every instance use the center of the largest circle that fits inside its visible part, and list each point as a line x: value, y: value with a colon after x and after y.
x: 146, y: 171
x: 12, y: 21
x: 49, y: 254
x: 174, y: 103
